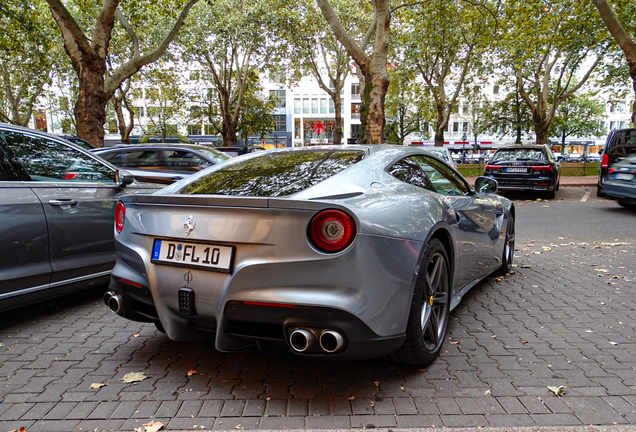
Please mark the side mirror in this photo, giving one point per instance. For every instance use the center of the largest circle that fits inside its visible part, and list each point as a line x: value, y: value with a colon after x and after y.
x: 484, y: 185
x: 123, y: 178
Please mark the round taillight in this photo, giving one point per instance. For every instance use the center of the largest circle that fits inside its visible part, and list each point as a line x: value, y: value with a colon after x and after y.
x: 332, y: 231
x: 120, y: 216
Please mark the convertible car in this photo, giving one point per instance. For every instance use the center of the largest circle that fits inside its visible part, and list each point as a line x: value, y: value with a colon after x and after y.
x: 336, y: 252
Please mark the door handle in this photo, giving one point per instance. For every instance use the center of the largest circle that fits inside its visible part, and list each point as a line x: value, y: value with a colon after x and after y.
x: 62, y: 202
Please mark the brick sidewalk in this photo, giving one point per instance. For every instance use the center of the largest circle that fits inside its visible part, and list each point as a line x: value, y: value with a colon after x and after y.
x: 564, y: 318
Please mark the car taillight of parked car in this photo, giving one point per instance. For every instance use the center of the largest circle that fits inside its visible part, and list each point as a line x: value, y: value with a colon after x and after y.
x: 70, y: 176
x: 491, y: 167
x: 332, y: 231
x: 120, y: 216
x: 605, y: 161
x: 542, y: 168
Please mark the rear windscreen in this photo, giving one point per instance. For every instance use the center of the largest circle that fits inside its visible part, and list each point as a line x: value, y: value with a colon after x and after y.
x: 623, y: 144
x: 274, y: 174
x: 519, y: 155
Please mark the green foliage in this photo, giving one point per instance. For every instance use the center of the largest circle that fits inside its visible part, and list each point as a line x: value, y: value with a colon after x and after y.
x: 29, y: 52
x: 229, y: 40
x: 404, y: 106
x: 447, y: 43
x: 579, y: 115
x: 508, y: 115
x: 165, y: 100
x: 551, y: 48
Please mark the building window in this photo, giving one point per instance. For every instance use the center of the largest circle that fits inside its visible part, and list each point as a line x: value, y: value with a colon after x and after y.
x: 355, y: 110
x: 356, y: 131
x: 332, y: 107
x: 306, y: 106
x: 281, y: 123
x: 314, y: 105
x: 194, y: 129
x: 279, y: 98
x: 323, y: 106
x: 355, y: 89
x: 297, y: 106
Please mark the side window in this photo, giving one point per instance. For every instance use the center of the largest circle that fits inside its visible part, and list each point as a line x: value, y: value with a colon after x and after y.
x: 409, y: 171
x: 185, y: 161
x: 445, y: 181
x: 52, y: 161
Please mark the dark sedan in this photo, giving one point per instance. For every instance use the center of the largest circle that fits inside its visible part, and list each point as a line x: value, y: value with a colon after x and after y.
x: 525, y: 168
x: 620, y: 182
x: 56, y: 211
x: 162, y: 163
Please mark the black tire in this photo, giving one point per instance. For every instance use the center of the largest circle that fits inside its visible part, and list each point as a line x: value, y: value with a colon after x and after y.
x: 159, y: 326
x: 550, y: 194
x: 430, y: 309
x: 508, y: 253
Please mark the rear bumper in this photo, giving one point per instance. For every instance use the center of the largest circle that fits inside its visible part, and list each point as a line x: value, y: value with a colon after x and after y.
x: 620, y: 192
x: 525, y: 184
x: 365, y: 299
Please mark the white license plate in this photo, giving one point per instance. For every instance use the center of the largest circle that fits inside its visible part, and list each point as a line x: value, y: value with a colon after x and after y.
x: 518, y: 170
x: 196, y: 255
x: 623, y: 176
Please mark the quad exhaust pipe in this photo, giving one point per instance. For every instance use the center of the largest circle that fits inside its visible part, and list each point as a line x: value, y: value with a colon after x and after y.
x: 114, y: 301
x: 330, y: 341
x: 301, y: 340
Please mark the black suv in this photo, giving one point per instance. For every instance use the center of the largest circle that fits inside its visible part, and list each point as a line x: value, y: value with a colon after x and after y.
x: 525, y: 168
x: 620, y: 144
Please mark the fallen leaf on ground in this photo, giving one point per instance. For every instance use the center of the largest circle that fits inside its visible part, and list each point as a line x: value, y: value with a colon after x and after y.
x: 191, y: 372
x: 134, y: 377
x: 152, y: 427
x: 98, y: 385
x: 559, y: 391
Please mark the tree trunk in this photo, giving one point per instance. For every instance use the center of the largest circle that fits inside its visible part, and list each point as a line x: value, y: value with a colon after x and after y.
x: 90, y: 108
x: 373, y: 66
x: 229, y: 130
x: 338, y: 124
x: 439, y: 137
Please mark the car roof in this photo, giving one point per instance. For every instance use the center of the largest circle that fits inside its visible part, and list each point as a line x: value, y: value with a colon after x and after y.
x: 166, y: 146
x: 522, y: 146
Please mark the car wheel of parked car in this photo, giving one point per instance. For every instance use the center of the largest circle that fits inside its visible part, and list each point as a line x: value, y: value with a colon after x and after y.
x: 509, y: 248
x: 550, y: 194
x: 159, y: 326
x: 430, y: 309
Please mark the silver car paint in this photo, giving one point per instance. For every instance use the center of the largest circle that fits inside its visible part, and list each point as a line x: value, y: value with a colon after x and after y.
x: 395, y: 220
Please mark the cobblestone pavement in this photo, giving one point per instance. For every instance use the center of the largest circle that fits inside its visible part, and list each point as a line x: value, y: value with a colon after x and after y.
x: 564, y: 318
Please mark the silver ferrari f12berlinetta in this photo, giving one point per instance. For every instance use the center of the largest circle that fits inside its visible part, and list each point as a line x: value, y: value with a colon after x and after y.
x: 342, y: 252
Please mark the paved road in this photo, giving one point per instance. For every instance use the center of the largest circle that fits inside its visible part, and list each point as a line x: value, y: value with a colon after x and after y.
x: 566, y: 317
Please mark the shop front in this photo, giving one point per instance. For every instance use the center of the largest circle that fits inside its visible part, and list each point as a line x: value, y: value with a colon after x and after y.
x: 314, y: 132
